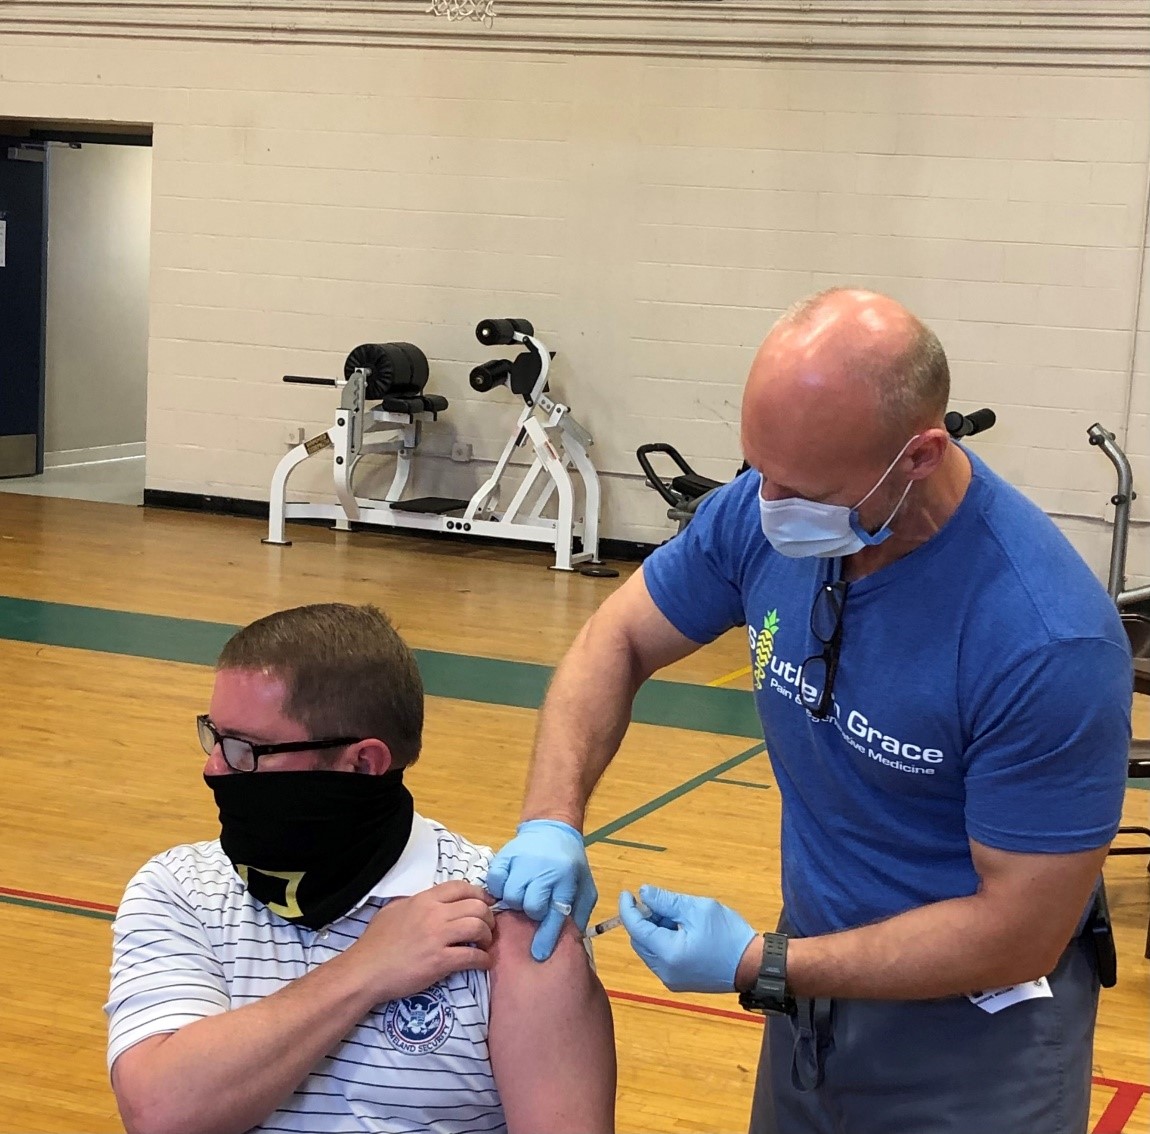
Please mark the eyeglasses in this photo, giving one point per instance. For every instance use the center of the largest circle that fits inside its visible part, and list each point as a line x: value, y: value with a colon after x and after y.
x: 817, y: 673
x: 243, y: 756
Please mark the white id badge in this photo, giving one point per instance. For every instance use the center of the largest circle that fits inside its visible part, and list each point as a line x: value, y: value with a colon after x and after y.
x: 995, y: 999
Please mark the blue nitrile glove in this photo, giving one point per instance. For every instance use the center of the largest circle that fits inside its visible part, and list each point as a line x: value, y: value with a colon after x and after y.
x: 691, y: 944
x: 544, y: 872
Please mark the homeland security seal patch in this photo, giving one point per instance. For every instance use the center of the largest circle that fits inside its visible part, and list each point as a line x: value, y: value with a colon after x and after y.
x: 419, y: 1024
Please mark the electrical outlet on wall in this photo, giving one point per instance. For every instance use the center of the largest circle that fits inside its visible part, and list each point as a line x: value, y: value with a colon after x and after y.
x: 294, y: 435
x: 461, y: 451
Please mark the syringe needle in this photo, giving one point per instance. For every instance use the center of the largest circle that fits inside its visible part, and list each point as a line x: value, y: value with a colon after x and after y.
x: 616, y: 921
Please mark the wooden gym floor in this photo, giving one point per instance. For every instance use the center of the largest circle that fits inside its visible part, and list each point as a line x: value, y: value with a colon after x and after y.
x: 110, y: 618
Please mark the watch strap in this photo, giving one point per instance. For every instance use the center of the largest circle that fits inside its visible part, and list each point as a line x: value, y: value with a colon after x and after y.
x: 770, y: 993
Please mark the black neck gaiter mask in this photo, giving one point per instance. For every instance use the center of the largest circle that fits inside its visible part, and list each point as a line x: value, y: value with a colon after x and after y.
x: 309, y: 845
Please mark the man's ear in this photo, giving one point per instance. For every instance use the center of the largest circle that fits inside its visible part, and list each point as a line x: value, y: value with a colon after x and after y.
x: 368, y: 757
x: 927, y: 452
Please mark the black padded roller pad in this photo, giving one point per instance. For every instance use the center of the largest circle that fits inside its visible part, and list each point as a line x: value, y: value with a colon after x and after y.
x: 387, y: 365
x: 397, y: 369
x: 488, y: 375
x: 501, y: 332
x: 420, y: 371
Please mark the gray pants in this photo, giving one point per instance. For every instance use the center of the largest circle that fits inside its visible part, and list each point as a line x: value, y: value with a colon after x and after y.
x: 934, y: 1066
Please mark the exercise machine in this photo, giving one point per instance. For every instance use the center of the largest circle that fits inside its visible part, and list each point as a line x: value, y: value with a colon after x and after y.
x: 1134, y: 607
x: 686, y: 490
x: 1133, y: 603
x: 392, y: 375
x: 683, y: 491
x: 1122, y: 499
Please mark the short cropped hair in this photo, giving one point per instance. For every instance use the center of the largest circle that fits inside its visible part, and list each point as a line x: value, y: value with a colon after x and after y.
x: 346, y: 672
x: 912, y: 393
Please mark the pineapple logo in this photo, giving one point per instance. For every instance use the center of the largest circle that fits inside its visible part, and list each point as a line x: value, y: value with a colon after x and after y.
x: 764, y: 648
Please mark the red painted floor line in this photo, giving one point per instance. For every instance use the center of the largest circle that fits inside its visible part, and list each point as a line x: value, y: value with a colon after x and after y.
x: 55, y: 899
x: 684, y: 1006
x: 1121, y: 1107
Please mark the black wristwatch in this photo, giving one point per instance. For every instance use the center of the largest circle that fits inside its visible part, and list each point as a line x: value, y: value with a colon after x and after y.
x: 769, y: 994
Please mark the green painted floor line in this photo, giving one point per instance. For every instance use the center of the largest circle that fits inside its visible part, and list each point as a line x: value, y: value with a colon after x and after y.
x: 461, y: 677
x: 743, y: 783
x: 112, y: 631
x: 670, y: 796
x: 633, y: 846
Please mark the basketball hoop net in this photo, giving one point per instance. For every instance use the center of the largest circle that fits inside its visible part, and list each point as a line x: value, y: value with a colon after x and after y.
x: 464, y: 10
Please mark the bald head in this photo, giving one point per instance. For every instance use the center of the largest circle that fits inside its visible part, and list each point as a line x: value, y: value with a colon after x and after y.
x: 864, y: 350
x: 844, y: 380
x: 844, y: 406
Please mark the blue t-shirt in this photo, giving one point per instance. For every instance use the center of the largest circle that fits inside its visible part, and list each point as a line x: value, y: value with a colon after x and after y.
x: 983, y: 692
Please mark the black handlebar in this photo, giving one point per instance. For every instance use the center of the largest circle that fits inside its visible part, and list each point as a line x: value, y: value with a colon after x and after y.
x: 960, y: 425
x: 305, y: 381
x: 659, y: 485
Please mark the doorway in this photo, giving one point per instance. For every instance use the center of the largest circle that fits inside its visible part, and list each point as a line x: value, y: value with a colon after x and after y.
x: 77, y: 426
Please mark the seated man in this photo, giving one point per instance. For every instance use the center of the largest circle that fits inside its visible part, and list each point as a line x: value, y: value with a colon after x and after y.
x: 332, y: 962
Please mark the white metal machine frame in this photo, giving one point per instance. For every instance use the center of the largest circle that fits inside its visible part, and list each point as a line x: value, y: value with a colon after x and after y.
x: 559, y: 445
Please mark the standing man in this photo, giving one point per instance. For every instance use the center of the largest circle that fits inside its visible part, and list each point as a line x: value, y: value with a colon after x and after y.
x: 944, y: 689
x: 332, y: 963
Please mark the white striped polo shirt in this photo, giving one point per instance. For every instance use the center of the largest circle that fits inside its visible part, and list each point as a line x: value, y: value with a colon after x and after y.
x: 189, y: 941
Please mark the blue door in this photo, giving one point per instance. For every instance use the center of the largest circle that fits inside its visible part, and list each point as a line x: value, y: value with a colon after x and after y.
x: 23, y: 255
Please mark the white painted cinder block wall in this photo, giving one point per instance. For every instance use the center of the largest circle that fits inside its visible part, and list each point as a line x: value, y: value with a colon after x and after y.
x: 652, y: 216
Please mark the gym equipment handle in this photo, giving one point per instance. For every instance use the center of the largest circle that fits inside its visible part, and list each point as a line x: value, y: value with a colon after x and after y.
x: 1122, y: 499
x: 967, y: 425
x: 303, y: 380
x: 659, y: 485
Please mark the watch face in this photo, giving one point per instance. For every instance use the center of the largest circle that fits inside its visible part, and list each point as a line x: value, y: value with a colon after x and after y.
x: 767, y: 996
x: 748, y: 1003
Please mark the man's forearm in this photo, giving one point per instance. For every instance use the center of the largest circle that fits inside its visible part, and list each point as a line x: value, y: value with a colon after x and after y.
x: 948, y: 948
x: 581, y: 724
x: 227, y: 1073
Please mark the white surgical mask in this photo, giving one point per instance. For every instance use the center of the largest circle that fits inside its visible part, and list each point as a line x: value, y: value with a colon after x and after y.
x: 801, y: 529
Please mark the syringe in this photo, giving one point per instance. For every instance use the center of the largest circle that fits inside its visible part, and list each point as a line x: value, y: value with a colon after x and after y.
x: 615, y: 922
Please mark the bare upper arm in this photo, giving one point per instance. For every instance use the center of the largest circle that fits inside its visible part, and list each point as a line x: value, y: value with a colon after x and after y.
x: 130, y: 1075
x: 1044, y: 894
x: 130, y: 1061
x: 642, y: 628
x: 551, y: 1036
